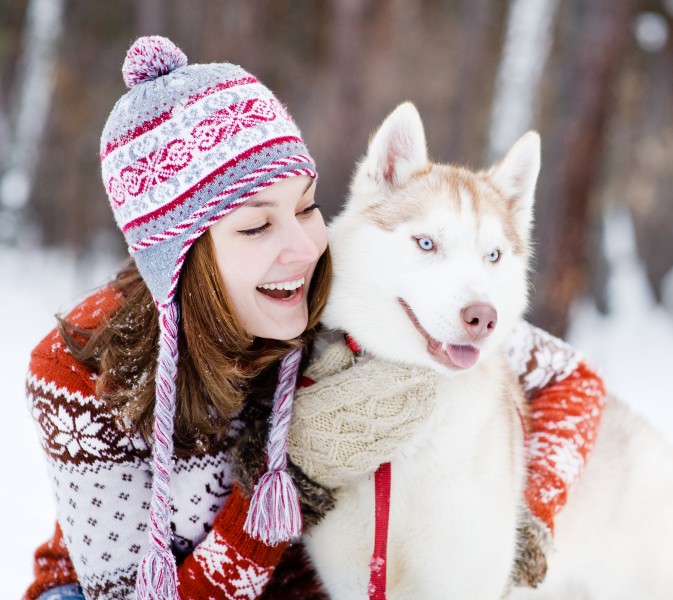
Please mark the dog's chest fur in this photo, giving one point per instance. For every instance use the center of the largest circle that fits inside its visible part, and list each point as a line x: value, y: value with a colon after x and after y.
x: 456, y: 488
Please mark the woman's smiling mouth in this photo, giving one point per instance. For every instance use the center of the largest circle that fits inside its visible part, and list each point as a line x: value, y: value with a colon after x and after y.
x: 284, y: 290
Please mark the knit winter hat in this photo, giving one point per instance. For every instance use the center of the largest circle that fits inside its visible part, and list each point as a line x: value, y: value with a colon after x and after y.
x: 184, y: 147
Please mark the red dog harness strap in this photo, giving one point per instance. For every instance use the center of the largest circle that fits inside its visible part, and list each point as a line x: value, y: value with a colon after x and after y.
x: 382, y: 477
x: 377, y: 566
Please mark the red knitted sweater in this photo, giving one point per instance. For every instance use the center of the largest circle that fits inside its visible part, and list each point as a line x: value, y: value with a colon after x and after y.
x: 102, y: 484
x: 102, y: 478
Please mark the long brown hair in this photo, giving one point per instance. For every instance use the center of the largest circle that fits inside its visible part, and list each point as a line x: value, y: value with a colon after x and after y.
x: 220, y: 364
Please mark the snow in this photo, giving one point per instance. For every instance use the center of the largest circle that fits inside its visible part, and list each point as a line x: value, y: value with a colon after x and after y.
x: 632, y: 348
x: 33, y: 287
x: 651, y: 31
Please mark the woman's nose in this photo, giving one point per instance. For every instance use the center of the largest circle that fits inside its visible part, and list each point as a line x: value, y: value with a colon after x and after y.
x: 300, y: 245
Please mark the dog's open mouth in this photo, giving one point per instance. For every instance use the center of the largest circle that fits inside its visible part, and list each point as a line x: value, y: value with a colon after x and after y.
x: 456, y: 356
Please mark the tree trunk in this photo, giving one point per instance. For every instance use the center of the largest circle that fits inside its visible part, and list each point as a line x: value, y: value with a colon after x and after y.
x: 5, y: 141
x: 31, y: 110
x: 571, y: 163
x: 650, y: 186
x: 150, y: 17
x: 345, y: 104
x: 524, y: 55
x: 476, y: 17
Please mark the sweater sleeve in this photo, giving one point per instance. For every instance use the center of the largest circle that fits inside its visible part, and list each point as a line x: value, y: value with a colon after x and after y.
x: 566, y: 399
x: 101, y: 480
x: 228, y: 563
x: 100, y: 477
x: 52, y: 566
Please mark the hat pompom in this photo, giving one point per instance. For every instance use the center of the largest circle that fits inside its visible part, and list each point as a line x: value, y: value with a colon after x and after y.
x: 151, y: 57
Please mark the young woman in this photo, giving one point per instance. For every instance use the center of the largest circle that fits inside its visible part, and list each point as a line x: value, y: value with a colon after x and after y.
x: 148, y: 396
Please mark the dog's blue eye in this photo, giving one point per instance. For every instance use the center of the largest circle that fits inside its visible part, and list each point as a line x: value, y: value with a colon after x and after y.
x: 494, y: 255
x: 425, y: 243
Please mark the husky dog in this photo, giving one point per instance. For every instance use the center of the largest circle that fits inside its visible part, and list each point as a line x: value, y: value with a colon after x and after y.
x: 430, y: 269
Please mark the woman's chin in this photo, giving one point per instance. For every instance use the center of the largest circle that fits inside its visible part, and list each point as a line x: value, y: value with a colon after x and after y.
x: 282, y: 330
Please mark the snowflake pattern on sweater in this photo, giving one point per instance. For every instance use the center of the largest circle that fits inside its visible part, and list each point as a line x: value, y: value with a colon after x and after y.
x: 102, y: 478
x: 102, y: 486
x: 223, y: 566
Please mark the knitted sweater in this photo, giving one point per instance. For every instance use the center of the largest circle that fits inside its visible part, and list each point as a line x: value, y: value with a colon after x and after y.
x: 102, y: 484
x: 102, y: 479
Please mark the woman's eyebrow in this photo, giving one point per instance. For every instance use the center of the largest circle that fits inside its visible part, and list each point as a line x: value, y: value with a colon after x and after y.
x: 259, y: 203
x: 308, y: 187
x: 266, y: 203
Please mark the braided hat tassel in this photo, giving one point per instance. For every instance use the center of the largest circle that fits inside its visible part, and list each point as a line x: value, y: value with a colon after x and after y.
x: 157, y: 574
x: 274, y: 515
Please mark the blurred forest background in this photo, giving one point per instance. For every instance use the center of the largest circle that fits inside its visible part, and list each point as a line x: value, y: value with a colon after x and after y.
x: 595, y: 77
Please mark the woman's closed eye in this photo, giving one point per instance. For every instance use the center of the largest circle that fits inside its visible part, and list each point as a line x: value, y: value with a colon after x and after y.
x: 255, y: 230
x: 309, y: 209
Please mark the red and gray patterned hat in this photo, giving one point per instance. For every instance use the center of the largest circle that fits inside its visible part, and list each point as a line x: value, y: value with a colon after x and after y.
x: 184, y: 147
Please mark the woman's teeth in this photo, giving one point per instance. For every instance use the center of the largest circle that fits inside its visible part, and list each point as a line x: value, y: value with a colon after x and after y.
x: 286, y: 285
x: 285, y: 290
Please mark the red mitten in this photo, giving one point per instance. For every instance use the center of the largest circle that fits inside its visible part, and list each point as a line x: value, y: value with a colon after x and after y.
x: 52, y: 566
x: 564, y: 422
x: 228, y: 563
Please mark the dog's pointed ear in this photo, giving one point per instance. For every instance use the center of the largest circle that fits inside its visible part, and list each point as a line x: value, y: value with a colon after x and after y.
x: 516, y: 176
x: 397, y: 149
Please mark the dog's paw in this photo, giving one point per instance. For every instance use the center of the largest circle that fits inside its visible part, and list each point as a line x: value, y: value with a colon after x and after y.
x: 533, y: 544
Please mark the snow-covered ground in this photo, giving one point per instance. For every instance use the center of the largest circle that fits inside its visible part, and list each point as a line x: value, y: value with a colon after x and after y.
x: 633, y: 348
x: 33, y: 287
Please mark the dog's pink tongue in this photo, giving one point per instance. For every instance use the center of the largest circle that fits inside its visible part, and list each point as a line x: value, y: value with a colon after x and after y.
x: 463, y: 356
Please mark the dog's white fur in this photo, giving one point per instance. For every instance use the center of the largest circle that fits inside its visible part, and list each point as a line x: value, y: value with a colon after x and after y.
x: 457, y: 486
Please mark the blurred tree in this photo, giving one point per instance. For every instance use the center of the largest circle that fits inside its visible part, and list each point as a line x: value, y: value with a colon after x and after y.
x: 22, y: 129
x: 341, y: 65
x: 347, y: 85
x: 476, y: 18
x: 524, y: 57
x: 594, y: 36
x: 69, y: 201
x: 651, y: 177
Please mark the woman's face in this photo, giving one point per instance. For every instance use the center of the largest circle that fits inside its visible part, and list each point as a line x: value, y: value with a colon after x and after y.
x: 266, y: 252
